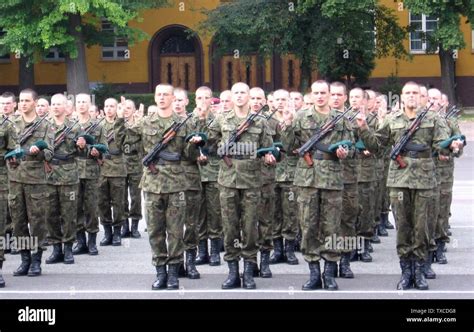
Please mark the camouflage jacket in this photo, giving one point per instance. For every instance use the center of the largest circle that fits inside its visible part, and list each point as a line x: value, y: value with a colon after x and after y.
x: 420, y: 172
x: 445, y: 168
x: 245, y: 172
x: 285, y: 169
x: 170, y: 176
x: 324, y: 174
x: 133, y: 150
x: 87, y: 165
x: 269, y: 171
x: 8, y: 142
x: 191, y: 169
x: 31, y: 169
x: 114, y: 162
x: 368, y: 164
x: 351, y: 165
x: 209, y: 171
x: 64, y: 167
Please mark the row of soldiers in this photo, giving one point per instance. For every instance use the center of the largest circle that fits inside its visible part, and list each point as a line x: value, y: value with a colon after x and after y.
x: 253, y: 205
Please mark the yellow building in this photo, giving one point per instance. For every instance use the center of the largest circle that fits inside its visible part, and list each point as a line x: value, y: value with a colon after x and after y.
x: 168, y: 56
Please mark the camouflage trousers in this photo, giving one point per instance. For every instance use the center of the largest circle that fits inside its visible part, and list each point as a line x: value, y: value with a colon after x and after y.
x: 286, y: 219
x: 111, y: 196
x: 240, y: 221
x: 210, y: 219
x: 410, y: 209
x: 61, y: 223
x: 433, y: 211
x: 320, y: 213
x: 29, y: 210
x: 3, y: 213
x: 350, y: 210
x: 87, y: 205
x: 266, y: 216
x: 442, y: 223
x: 131, y: 185
x: 385, y: 191
x: 165, y: 216
x: 365, y: 219
x: 194, y: 201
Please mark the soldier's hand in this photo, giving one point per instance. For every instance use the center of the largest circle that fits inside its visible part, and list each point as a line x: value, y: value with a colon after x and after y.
x: 34, y: 149
x: 202, y: 159
x: 13, y: 162
x: 361, y: 121
x: 81, y: 143
x: 195, y: 139
x: 456, y: 145
x: 341, y: 153
x: 120, y: 111
x: 366, y: 153
x: 95, y: 152
x: 443, y: 157
x: 269, y: 159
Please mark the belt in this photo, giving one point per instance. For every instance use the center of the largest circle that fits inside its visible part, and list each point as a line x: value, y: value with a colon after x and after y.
x: 29, y: 158
x: 62, y: 162
x: 417, y: 154
x: 187, y: 163
x: 115, y: 152
x: 320, y: 155
x: 241, y: 157
x: 112, y: 156
x: 131, y: 154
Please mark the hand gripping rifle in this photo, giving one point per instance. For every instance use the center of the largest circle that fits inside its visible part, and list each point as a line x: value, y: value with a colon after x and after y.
x: 62, y: 137
x: 403, y: 141
x: 305, y: 150
x: 236, y: 134
x: 170, y: 133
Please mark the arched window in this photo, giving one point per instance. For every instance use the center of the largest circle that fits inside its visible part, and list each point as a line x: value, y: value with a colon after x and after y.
x: 177, y: 44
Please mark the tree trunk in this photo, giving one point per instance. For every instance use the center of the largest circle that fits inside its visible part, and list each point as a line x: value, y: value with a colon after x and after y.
x: 305, y: 78
x: 448, y: 84
x: 76, y: 69
x: 26, y: 75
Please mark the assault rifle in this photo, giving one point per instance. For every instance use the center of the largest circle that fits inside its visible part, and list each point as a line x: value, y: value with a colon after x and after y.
x: 62, y: 137
x: 30, y: 131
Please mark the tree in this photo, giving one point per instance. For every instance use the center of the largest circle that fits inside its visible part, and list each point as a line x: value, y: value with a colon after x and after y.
x: 448, y: 38
x: 335, y: 37
x: 33, y: 27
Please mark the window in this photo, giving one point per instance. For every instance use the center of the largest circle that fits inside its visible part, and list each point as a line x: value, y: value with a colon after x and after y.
x: 424, y: 27
x: 54, y: 55
x: 3, y: 57
x: 117, y: 47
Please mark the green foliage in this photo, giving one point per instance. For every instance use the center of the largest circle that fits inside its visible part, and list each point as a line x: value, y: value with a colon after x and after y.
x: 392, y: 86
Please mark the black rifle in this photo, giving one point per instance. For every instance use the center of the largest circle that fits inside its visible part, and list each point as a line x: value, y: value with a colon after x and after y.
x: 62, y: 137
x: 5, y: 119
x: 169, y: 134
x: 305, y: 149
x: 92, y: 127
x: 452, y: 112
x: 403, y: 141
x: 353, y: 115
x: 30, y: 131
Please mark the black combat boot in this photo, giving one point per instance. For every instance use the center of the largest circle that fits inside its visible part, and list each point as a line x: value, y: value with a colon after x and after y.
x: 440, y: 256
x: 22, y: 270
x: 290, y: 252
x: 116, y: 238
x: 215, y: 258
x: 365, y: 255
x: 182, y: 270
x: 247, y: 280
x: 385, y: 221
x: 406, y: 280
x: 427, y: 270
x: 265, y: 271
x: 173, y: 282
x: 277, y: 256
x: 191, y: 270
x: 354, y: 256
x: 233, y: 279
x: 134, y: 230
x: 125, y: 232
x: 91, y: 244
x: 68, y: 257
x: 375, y: 238
x: 345, y: 266
x: 57, y: 255
x: 35, y: 267
x: 8, y: 249
x: 81, y: 245
x: 107, y: 239
x: 161, y: 278
x: 381, y: 229
x: 203, y: 254
x: 329, y: 275
x: 314, y: 281
x: 2, y: 281
x: 420, y: 281
x: 298, y: 239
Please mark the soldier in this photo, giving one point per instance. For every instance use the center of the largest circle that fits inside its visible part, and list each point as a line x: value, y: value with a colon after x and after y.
x: 297, y: 101
x: 285, y: 224
x: 94, y: 112
x: 350, y: 193
x: 226, y: 101
x: 28, y: 189
x: 320, y: 186
x: 411, y: 186
x: 133, y: 153
x: 240, y: 185
x: 423, y: 95
x: 112, y: 181
x: 63, y: 183
x: 88, y: 168
x: 164, y: 187
x: 7, y: 144
x: 42, y: 107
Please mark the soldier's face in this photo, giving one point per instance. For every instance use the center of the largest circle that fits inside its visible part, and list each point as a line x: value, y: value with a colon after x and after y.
x: 42, y: 107
x: 83, y: 104
x: 423, y: 96
x: 320, y: 93
x: 356, y: 99
x: 434, y: 97
x: 203, y: 99
x: 110, y: 108
x: 226, y: 102
x: 297, y: 100
x: 257, y: 100
x: 26, y: 104
x: 7, y: 105
x: 58, y: 106
x: 180, y: 102
x: 128, y: 110
x: 338, y: 97
x: 240, y: 95
x: 371, y: 101
x: 411, y: 96
x: 164, y: 97
x: 281, y: 101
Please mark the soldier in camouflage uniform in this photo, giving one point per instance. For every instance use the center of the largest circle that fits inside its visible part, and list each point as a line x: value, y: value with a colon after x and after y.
x: 28, y: 189
x: 88, y: 168
x: 113, y: 173
x: 63, y: 183
x: 7, y: 143
x: 133, y: 152
x: 240, y: 186
x: 285, y: 224
x: 210, y: 220
x: 319, y: 187
x: 411, y: 187
x: 164, y: 188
